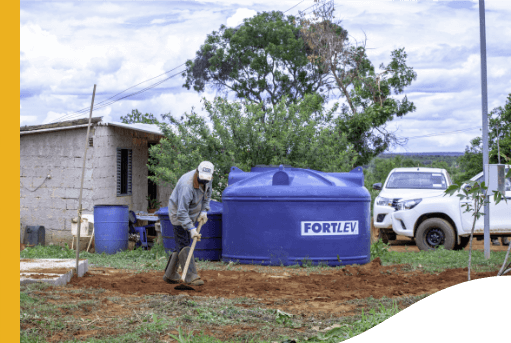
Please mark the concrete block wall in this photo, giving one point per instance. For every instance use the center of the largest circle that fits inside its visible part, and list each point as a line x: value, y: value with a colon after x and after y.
x: 58, y: 154
x: 106, y: 141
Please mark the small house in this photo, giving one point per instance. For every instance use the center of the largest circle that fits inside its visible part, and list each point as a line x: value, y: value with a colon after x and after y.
x: 116, y: 172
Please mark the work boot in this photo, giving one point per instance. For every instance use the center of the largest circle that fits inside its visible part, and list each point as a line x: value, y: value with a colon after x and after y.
x: 191, y: 277
x: 171, y: 275
x: 495, y: 241
x: 505, y: 240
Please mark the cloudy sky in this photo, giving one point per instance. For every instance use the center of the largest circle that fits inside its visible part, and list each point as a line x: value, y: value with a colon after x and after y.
x: 67, y: 47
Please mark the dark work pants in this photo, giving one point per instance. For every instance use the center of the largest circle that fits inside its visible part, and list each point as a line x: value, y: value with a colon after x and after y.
x: 182, y: 238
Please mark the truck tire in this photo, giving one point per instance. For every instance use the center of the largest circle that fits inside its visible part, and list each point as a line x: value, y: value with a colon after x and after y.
x: 386, y: 235
x: 463, y: 243
x: 434, y: 232
x: 383, y: 236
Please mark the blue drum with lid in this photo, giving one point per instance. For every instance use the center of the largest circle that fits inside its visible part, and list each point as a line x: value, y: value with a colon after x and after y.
x: 285, y: 216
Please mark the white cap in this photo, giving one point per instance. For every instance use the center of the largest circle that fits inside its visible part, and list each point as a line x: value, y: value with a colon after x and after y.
x: 206, y: 170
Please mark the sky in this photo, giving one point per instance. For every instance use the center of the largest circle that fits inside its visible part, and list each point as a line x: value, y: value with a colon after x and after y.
x: 66, y: 47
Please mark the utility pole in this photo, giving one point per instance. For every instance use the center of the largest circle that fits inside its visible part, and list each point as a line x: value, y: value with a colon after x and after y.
x: 81, y: 186
x: 484, y: 93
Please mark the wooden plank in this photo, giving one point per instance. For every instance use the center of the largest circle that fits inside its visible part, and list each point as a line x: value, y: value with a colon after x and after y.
x: 61, y: 124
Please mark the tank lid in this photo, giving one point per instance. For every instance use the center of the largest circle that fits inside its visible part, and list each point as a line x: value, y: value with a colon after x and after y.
x: 215, y: 208
x: 296, y: 183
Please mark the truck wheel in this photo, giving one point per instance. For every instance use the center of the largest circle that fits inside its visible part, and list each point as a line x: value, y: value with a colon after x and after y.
x: 463, y: 243
x: 383, y: 236
x: 434, y: 232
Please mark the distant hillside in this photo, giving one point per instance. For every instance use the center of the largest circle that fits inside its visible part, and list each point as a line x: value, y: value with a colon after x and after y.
x: 410, y: 154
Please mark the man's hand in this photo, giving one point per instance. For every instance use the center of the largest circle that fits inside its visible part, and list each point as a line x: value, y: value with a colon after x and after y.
x: 194, y: 233
x: 203, y: 217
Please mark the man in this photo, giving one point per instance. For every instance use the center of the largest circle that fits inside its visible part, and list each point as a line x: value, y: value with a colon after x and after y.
x: 189, y: 202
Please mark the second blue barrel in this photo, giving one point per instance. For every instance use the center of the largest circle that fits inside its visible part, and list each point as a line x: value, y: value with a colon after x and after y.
x: 287, y: 216
x: 210, y: 245
x: 111, y: 228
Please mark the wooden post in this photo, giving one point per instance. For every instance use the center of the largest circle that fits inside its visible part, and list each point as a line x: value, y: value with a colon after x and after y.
x: 81, y: 186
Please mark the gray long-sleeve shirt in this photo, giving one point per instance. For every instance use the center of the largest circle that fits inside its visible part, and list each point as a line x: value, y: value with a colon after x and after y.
x: 188, y: 200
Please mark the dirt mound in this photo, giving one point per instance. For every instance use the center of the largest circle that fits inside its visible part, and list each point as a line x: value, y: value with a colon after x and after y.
x: 322, y: 292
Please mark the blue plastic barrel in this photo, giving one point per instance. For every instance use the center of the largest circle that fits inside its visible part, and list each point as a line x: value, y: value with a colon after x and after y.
x: 287, y: 216
x: 210, y: 245
x: 111, y: 228
x: 167, y: 230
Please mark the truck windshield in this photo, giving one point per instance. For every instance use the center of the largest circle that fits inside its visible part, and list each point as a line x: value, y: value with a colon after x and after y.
x: 417, y: 180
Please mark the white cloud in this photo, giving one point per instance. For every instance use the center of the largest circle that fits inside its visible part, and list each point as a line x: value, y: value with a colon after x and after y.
x: 27, y: 119
x: 66, y: 47
x: 237, y: 18
x: 157, y: 21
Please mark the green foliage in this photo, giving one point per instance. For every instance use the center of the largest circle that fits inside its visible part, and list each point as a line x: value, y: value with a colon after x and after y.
x: 283, y: 318
x: 246, y: 134
x: 152, y: 203
x: 471, y: 163
x: 342, y: 332
x: 478, y: 193
x: 182, y: 337
x: 379, y: 249
x: 262, y: 60
x: 136, y: 117
x: 370, y: 105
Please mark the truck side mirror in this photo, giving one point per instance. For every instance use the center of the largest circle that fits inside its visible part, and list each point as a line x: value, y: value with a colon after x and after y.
x: 377, y: 186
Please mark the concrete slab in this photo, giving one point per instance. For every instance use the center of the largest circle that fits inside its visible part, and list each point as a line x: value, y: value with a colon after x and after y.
x: 55, y: 271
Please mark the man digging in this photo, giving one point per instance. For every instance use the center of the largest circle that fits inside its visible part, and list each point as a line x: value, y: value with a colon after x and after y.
x: 189, y: 202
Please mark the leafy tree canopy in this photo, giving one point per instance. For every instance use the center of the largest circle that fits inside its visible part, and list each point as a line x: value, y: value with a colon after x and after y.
x: 261, y: 60
x: 299, y: 134
x: 368, y: 105
x: 136, y: 117
x: 499, y: 120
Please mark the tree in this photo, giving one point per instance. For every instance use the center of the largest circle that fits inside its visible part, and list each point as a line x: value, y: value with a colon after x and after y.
x: 261, y: 60
x: 478, y: 193
x: 499, y: 120
x: 246, y: 134
x: 500, y: 133
x: 369, y: 105
x: 136, y: 117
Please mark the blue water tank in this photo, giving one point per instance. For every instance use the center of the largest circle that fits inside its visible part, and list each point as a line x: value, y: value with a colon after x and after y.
x: 290, y: 215
x: 111, y: 228
x: 210, y: 245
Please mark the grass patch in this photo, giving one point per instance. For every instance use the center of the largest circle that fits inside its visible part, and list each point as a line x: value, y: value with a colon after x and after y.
x: 441, y: 259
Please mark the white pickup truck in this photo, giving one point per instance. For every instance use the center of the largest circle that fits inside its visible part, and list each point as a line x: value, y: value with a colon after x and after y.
x: 435, y: 220
x: 405, y: 183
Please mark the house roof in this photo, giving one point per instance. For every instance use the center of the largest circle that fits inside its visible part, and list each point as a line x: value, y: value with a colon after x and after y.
x: 79, y: 123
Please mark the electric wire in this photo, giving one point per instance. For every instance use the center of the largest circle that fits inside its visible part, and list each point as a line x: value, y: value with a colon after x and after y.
x: 86, y: 109
x: 106, y: 102
x: 442, y: 133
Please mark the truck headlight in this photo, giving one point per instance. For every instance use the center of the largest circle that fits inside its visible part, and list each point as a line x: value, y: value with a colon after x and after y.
x: 407, y: 204
x: 380, y: 201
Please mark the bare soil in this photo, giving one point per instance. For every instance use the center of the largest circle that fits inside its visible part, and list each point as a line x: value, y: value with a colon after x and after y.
x: 326, y: 292
x: 403, y: 243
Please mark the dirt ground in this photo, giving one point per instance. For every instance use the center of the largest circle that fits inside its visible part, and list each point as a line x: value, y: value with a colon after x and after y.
x: 403, y: 243
x: 292, y: 291
x: 235, y: 304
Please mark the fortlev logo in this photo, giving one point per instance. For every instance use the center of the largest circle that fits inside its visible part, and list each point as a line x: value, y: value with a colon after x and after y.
x: 329, y: 228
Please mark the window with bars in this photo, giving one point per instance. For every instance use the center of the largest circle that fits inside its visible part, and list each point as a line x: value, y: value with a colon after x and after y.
x: 124, y: 157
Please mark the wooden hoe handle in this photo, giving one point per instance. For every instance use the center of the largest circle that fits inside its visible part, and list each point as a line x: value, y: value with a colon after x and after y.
x: 190, y: 254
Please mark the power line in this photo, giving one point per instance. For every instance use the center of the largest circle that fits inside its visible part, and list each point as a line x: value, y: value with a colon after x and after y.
x: 294, y: 6
x: 106, y: 102
x: 86, y: 109
x: 442, y: 133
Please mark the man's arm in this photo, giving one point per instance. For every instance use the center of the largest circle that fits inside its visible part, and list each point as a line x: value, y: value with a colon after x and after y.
x: 183, y: 215
x: 207, y: 198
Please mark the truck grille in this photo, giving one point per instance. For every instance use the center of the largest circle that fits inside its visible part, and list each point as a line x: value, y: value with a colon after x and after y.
x: 394, y: 203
